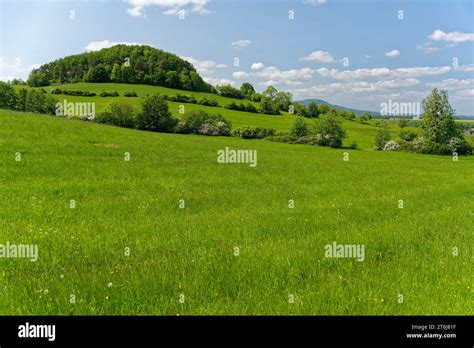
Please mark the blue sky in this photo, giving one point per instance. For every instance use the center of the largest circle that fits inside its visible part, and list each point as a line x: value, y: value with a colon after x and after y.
x: 390, y: 54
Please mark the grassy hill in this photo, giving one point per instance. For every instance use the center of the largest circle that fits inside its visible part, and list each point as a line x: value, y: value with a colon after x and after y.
x: 363, y: 134
x: 358, y: 112
x: 190, y: 251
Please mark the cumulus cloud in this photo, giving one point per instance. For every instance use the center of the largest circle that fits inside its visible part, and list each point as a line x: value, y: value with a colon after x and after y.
x: 257, y: 66
x: 170, y: 7
x: 383, y: 72
x: 320, y: 56
x: 275, y: 76
x: 465, y: 93
x: 452, y: 84
x: 392, y: 53
x: 98, y: 45
x: 205, y: 67
x: 242, y: 43
x: 454, y: 36
x: 220, y: 82
x: 355, y: 88
x: 240, y: 74
x: 13, y: 69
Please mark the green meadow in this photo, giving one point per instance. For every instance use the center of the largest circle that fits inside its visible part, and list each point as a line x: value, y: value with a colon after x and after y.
x: 362, y: 134
x: 173, y: 232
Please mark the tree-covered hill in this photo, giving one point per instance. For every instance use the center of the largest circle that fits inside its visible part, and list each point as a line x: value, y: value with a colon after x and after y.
x: 122, y: 64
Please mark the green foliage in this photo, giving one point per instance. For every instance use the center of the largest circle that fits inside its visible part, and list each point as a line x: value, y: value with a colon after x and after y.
x: 230, y: 92
x: 97, y: 73
x: 253, y: 133
x: 323, y: 109
x: 402, y: 123
x: 438, y: 118
x: 200, y: 122
x: 282, y: 101
x: 117, y: 113
x: 331, y: 131
x: 381, y: 139
x: 130, y: 94
x: 247, y: 90
x: 8, y: 96
x: 267, y: 106
x: 241, y: 107
x: 122, y: 64
x: 313, y: 110
x: 407, y: 135
x: 207, y: 102
x: 299, y: 128
x: 109, y: 94
x: 155, y: 115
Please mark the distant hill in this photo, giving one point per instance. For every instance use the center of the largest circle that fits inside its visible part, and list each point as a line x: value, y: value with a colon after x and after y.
x: 337, y: 107
x: 138, y: 64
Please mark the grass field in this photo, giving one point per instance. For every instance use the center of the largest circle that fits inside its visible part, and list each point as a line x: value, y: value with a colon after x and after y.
x: 174, y: 252
x: 362, y: 134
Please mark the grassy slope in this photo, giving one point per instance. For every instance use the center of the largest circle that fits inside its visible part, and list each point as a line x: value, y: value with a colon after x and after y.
x: 362, y: 134
x: 135, y: 204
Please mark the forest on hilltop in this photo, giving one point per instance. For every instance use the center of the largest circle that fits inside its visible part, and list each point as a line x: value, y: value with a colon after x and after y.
x: 122, y: 64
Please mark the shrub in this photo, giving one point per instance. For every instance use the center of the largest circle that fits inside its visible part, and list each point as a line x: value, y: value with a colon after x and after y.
x: 309, y: 140
x: 253, y: 133
x: 299, y: 128
x: 155, y: 115
x: 381, y: 139
x: 207, y: 102
x: 130, y: 94
x: 200, y: 122
x: 109, y: 94
x: 331, y: 131
x: 118, y: 114
x: 8, y: 97
x: 56, y: 91
x: 407, y: 135
x: 79, y: 93
x: 230, y: 92
x: 353, y: 145
x: 391, y: 146
x: 215, y: 128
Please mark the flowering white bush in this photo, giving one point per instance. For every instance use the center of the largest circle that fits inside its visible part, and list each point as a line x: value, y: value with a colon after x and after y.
x: 216, y: 128
x: 391, y: 146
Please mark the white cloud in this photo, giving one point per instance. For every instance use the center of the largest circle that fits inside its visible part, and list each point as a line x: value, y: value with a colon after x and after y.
x: 241, y: 43
x: 354, y: 88
x: 98, y: 45
x: 314, y: 2
x: 171, y: 7
x: 467, y: 68
x: 240, y: 74
x: 206, y: 67
x: 454, y: 36
x: 320, y: 56
x: 428, y: 47
x: 465, y: 93
x: 452, y: 84
x: 383, y: 72
x: 257, y: 66
x: 392, y: 53
x: 14, y: 69
x: 274, y: 76
x: 220, y: 82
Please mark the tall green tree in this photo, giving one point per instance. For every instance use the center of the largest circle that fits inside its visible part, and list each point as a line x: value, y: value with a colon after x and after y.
x: 155, y: 115
x: 438, y: 121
